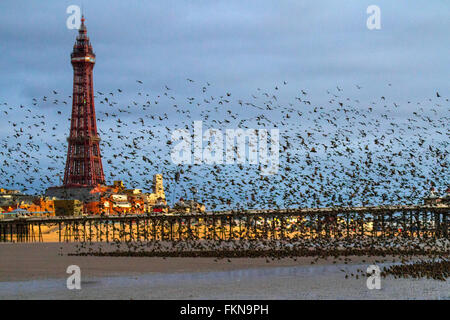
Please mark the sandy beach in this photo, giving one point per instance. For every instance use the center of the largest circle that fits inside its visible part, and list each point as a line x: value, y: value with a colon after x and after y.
x: 38, y: 271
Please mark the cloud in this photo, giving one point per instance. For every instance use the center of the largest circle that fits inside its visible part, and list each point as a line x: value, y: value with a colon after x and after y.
x: 238, y: 46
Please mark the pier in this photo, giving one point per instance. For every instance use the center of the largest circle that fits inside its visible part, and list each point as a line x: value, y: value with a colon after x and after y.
x: 345, y: 223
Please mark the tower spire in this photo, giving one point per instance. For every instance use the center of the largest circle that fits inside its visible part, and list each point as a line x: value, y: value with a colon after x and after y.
x: 84, y: 163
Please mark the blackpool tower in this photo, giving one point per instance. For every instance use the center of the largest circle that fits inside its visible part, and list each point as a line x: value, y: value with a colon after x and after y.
x: 84, y: 163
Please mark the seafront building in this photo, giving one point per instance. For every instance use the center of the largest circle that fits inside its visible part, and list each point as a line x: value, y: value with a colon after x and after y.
x: 106, y: 200
x: 16, y: 203
x: 434, y: 198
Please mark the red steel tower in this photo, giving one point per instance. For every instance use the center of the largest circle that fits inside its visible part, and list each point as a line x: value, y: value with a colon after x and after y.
x: 84, y: 163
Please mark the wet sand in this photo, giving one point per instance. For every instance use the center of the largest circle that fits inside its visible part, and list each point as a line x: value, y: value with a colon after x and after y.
x: 32, y: 261
x: 30, y: 271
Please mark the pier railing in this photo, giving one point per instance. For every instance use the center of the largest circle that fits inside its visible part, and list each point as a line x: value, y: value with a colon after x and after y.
x: 345, y: 223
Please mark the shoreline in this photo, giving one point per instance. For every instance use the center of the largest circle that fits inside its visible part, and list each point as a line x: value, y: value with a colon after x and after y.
x: 37, y: 261
x: 38, y: 271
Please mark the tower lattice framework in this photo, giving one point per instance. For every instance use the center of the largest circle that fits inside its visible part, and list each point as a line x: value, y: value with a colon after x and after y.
x: 84, y: 162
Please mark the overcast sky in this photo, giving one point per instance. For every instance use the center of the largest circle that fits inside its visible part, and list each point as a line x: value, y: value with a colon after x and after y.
x: 233, y: 44
x: 236, y: 46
